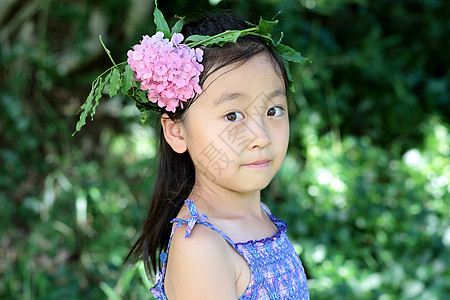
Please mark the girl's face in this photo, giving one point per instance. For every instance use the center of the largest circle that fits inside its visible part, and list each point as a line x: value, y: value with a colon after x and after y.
x: 237, y: 131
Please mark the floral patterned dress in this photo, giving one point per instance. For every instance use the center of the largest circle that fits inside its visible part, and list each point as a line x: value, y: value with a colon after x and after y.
x: 276, y: 270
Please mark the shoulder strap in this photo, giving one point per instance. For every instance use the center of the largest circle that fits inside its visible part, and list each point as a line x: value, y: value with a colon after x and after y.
x: 196, y: 218
x: 279, y: 223
x: 266, y: 209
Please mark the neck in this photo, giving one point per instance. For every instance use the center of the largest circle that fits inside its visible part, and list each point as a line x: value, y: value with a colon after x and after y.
x: 219, y: 201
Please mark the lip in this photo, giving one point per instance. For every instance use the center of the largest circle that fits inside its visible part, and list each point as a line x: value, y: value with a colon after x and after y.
x: 258, y: 164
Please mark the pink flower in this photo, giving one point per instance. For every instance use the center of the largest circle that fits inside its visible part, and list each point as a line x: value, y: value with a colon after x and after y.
x: 169, y: 70
x: 177, y: 38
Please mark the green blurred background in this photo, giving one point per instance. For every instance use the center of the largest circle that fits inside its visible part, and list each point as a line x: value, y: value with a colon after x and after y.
x: 364, y: 188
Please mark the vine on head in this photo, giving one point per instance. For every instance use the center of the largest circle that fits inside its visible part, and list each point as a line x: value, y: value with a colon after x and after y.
x: 162, y: 72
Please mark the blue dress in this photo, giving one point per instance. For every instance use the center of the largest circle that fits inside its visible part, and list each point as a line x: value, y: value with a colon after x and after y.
x: 276, y: 270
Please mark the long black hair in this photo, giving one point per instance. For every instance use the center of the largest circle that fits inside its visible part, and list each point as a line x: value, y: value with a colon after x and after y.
x: 176, y: 172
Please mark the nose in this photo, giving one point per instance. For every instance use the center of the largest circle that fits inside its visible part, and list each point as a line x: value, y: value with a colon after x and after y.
x: 261, y: 138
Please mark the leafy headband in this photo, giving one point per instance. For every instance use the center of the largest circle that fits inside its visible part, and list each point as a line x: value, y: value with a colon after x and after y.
x: 162, y: 72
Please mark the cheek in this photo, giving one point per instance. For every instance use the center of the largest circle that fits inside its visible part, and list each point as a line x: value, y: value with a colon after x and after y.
x: 286, y: 132
x: 282, y: 136
x: 209, y: 151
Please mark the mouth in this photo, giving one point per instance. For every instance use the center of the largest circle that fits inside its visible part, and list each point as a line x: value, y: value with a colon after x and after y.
x: 258, y: 164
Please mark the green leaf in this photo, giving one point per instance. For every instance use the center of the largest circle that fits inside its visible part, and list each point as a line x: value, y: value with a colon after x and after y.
x: 228, y: 36
x: 266, y: 27
x: 97, y: 96
x: 86, y: 107
x: 178, y: 26
x: 108, y: 77
x: 142, y: 95
x: 196, y: 38
x: 160, y: 22
x: 127, y: 79
x: 289, y: 54
x: 114, y: 83
x: 292, y: 84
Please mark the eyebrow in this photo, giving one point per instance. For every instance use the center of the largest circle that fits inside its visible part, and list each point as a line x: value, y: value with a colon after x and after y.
x: 226, y: 97
x: 230, y: 96
x: 278, y: 93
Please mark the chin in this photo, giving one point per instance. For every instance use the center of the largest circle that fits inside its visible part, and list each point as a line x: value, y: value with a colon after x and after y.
x: 255, y: 187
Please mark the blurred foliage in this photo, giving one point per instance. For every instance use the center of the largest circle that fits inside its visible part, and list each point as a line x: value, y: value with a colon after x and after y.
x: 364, y: 189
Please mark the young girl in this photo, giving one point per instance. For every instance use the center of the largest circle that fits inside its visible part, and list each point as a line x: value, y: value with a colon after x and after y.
x: 218, y: 150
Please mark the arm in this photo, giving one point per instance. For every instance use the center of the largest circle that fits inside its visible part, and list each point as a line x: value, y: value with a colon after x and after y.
x: 200, y: 267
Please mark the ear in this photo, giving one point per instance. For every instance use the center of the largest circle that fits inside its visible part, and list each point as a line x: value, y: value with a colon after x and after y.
x: 174, y: 134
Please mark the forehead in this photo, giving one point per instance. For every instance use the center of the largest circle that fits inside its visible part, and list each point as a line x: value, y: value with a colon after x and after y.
x: 255, y: 76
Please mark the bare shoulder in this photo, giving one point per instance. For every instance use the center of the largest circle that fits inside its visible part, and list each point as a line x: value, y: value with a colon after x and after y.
x: 202, y: 239
x: 200, y: 267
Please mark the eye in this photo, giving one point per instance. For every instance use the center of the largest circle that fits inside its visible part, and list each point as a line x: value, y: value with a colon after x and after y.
x: 234, y: 116
x: 276, y: 111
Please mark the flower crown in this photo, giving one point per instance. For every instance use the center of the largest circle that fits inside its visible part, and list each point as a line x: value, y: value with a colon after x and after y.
x: 162, y: 72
